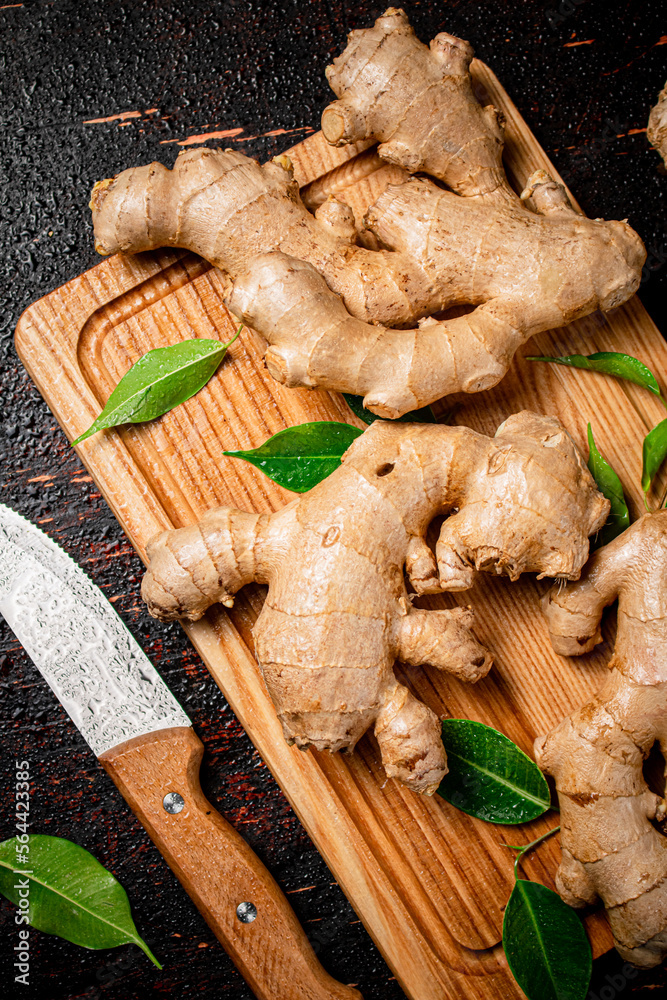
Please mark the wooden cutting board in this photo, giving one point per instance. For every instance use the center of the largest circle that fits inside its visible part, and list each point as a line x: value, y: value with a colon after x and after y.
x: 429, y: 882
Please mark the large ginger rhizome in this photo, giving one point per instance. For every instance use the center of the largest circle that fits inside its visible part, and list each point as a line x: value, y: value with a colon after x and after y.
x: 338, y: 315
x: 337, y: 614
x: 613, y: 848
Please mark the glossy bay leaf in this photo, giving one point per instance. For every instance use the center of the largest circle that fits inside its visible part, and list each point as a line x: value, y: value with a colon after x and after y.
x: 546, y: 945
x: 300, y: 457
x: 424, y: 415
x: 70, y: 894
x: 610, y: 363
x: 610, y: 486
x: 654, y: 452
x: 159, y: 381
x: 489, y: 776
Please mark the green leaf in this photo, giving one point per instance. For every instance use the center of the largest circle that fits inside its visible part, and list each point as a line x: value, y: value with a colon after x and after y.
x: 70, y: 893
x: 489, y: 776
x: 300, y: 457
x: 423, y: 416
x: 611, y: 363
x: 654, y: 452
x: 159, y: 381
x: 610, y: 486
x: 546, y: 944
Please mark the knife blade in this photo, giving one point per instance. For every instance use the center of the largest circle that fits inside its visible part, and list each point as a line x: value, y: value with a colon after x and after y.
x: 145, y: 742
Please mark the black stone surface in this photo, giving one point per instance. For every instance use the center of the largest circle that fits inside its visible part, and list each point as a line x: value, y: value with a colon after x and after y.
x: 583, y: 73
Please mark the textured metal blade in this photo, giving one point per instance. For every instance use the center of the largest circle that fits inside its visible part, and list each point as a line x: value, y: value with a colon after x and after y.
x: 95, y: 668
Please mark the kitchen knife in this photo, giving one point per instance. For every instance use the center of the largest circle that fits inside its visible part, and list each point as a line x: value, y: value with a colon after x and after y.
x: 144, y: 741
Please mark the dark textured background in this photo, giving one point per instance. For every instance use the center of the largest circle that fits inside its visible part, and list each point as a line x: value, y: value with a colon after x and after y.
x: 584, y: 74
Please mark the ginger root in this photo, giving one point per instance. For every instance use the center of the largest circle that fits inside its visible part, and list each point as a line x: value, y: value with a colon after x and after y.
x: 338, y: 614
x: 656, y: 132
x: 611, y: 848
x: 340, y: 316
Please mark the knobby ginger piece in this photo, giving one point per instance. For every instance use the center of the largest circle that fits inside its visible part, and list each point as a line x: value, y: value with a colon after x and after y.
x: 612, y: 850
x: 656, y: 132
x: 340, y: 316
x: 338, y: 614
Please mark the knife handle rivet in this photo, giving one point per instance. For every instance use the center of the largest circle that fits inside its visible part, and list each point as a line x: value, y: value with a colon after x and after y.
x: 173, y: 802
x: 246, y: 912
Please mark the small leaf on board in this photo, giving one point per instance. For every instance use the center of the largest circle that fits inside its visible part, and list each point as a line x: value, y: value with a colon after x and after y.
x: 159, y: 381
x: 610, y: 486
x: 610, y: 363
x: 300, y: 457
x: 356, y: 403
x: 654, y: 452
x: 70, y: 894
x: 489, y: 776
x: 546, y: 945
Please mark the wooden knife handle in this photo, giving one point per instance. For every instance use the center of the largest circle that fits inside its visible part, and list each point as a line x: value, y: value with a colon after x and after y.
x: 216, y: 867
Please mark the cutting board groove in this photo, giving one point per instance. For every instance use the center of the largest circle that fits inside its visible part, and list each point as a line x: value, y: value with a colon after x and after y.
x: 429, y: 882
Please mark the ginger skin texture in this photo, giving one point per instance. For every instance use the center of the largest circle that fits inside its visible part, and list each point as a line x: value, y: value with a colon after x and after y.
x: 612, y: 851
x: 338, y: 614
x: 341, y: 316
x: 656, y: 132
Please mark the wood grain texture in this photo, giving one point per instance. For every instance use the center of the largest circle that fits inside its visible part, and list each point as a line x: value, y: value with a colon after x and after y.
x: 217, y: 868
x: 429, y: 882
